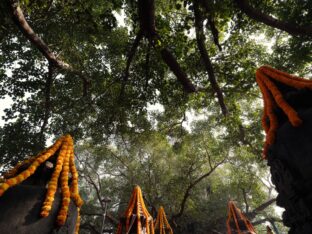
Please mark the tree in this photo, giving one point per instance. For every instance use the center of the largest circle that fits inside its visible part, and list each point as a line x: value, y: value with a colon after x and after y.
x: 76, y: 67
x: 193, y: 180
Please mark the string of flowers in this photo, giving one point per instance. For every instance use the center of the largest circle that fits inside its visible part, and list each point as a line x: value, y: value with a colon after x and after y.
x: 137, y: 207
x: 64, y: 164
x: 234, y: 214
x: 273, y: 98
x: 161, y: 222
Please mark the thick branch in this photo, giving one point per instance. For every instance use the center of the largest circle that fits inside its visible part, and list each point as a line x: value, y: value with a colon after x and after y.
x: 200, y: 38
x: 146, y: 11
x: 131, y: 54
x: 21, y: 22
x: 130, y: 57
x: 255, y: 14
x: 211, y: 23
x: 191, y: 186
x: 272, y: 221
x: 251, y: 215
x: 175, y: 67
x: 214, y: 31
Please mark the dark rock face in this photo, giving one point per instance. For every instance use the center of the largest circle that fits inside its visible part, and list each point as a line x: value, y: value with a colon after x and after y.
x: 20, y: 208
x: 290, y: 161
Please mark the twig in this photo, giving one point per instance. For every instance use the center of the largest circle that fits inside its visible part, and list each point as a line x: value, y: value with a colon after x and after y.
x: 191, y: 186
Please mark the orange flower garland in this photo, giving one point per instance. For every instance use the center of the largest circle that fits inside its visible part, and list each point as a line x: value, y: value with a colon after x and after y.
x: 64, y: 164
x: 273, y: 98
x: 269, y: 230
x: 234, y: 214
x: 162, y: 223
x: 136, y: 204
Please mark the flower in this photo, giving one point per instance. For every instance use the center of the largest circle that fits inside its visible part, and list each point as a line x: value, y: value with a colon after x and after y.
x: 161, y: 222
x: 64, y: 165
x: 136, y: 204
x: 273, y: 98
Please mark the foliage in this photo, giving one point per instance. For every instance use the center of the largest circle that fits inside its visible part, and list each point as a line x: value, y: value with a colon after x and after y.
x: 121, y: 141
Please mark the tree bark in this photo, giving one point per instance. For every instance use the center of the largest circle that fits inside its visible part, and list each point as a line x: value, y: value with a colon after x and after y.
x: 257, y: 15
x: 21, y: 22
x: 251, y: 215
x: 200, y: 38
x: 146, y: 12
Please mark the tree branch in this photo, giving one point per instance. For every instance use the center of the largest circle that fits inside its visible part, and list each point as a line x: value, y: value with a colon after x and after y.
x: 214, y: 31
x: 146, y: 12
x: 190, y: 187
x: 21, y: 22
x: 257, y: 15
x: 130, y: 57
x: 245, y: 200
x: 200, y: 38
x: 131, y: 54
x: 175, y: 67
x: 147, y: 66
x: 47, y: 104
x: 251, y: 215
x: 211, y: 23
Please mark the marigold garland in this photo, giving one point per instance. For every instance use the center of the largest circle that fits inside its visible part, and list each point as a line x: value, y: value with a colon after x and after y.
x: 273, y: 98
x: 234, y: 214
x: 137, y: 207
x: 64, y: 164
x: 162, y: 223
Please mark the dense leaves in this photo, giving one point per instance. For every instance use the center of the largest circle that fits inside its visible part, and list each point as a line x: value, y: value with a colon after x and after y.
x: 121, y: 67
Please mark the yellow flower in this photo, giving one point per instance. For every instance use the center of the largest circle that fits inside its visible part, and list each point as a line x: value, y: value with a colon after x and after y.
x: 64, y: 165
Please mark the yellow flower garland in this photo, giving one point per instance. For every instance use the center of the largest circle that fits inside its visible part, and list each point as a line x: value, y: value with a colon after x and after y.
x: 64, y: 164
x: 162, y: 223
x: 136, y: 204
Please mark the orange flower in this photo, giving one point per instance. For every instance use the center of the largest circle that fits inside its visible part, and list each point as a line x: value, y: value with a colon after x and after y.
x: 137, y: 207
x: 64, y: 165
x: 273, y: 98
x: 161, y: 222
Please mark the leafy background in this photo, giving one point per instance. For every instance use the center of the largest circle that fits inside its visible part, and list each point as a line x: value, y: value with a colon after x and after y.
x: 147, y: 129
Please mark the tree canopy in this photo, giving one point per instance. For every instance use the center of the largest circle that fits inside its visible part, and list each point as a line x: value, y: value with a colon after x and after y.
x: 98, y: 70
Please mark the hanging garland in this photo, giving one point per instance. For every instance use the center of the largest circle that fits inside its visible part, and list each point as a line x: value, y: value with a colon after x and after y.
x: 137, y: 207
x: 161, y: 222
x: 237, y: 221
x: 64, y: 164
x: 273, y: 98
